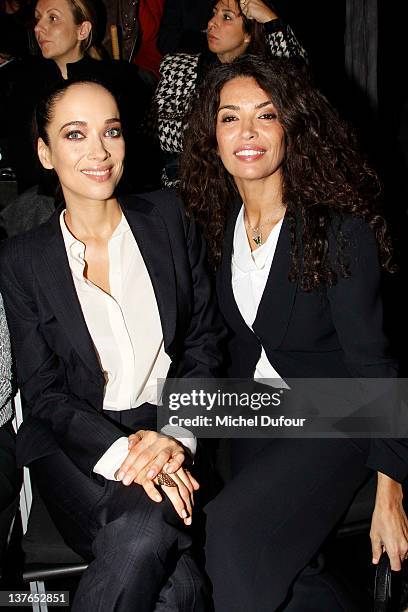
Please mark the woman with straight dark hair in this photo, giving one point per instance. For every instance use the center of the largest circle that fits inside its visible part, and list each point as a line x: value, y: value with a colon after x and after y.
x: 289, y: 210
x: 102, y: 300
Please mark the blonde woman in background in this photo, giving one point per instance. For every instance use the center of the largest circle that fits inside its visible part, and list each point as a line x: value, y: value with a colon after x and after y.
x: 67, y: 33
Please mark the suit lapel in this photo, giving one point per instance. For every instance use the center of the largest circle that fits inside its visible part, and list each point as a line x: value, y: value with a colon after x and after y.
x: 275, y: 307
x: 55, y: 279
x: 276, y: 304
x: 152, y: 237
x: 225, y: 293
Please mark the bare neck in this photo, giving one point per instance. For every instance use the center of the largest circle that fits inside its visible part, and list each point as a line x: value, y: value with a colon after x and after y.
x: 262, y: 199
x: 94, y: 220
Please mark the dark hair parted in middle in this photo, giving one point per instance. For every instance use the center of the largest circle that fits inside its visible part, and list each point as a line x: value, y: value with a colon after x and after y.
x: 325, y: 178
x: 256, y: 31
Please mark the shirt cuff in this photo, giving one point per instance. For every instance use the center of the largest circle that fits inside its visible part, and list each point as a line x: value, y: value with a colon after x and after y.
x: 186, y: 437
x: 112, y: 459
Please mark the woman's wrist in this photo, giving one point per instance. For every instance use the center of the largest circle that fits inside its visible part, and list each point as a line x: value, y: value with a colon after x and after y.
x: 388, y: 490
x: 268, y: 16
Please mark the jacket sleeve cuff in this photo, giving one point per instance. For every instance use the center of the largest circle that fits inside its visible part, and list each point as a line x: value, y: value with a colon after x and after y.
x: 389, y: 457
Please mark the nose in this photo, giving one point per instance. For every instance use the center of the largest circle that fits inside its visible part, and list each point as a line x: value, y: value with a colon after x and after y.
x: 97, y: 149
x: 248, y: 128
x: 213, y: 23
x: 39, y: 27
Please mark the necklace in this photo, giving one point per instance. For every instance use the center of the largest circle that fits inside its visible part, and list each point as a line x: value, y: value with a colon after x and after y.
x: 257, y: 233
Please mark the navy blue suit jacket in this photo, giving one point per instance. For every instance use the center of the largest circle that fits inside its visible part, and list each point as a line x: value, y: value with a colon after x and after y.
x: 57, y: 367
x: 332, y: 333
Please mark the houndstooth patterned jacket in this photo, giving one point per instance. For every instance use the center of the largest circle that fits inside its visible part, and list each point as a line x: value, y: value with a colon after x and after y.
x: 5, y: 369
x: 178, y: 83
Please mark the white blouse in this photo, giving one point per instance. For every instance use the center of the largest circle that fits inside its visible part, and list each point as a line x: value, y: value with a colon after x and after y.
x: 250, y: 271
x: 126, y: 330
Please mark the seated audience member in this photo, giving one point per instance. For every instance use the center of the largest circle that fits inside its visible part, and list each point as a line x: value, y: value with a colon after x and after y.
x: 102, y: 300
x: 66, y: 34
x: 123, y: 15
x: 15, y: 22
x: 137, y: 25
x: 147, y: 56
x: 183, y: 26
x: 234, y: 29
x: 10, y: 478
x: 290, y: 212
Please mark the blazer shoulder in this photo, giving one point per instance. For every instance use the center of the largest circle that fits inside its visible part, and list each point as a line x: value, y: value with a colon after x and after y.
x: 164, y: 202
x: 356, y: 231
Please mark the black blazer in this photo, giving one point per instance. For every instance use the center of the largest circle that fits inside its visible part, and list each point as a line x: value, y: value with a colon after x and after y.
x: 337, y: 332
x: 57, y: 366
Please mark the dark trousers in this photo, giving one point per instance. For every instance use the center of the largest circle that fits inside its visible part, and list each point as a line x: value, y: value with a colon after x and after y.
x: 10, y: 483
x: 139, y: 550
x: 270, y: 520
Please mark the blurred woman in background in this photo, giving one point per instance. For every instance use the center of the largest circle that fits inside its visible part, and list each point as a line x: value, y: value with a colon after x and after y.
x: 249, y: 26
x: 67, y: 35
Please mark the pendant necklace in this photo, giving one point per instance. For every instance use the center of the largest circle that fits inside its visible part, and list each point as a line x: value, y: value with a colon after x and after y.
x: 257, y: 232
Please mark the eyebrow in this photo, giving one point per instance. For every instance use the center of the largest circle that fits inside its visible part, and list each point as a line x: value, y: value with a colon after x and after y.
x: 225, y: 8
x: 82, y: 123
x: 37, y: 12
x: 236, y: 108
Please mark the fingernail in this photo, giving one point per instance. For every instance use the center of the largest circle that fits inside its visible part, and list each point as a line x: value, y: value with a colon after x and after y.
x: 184, y: 514
x: 127, y: 480
x: 157, y: 498
x: 121, y: 475
x: 188, y: 520
x: 375, y: 560
x: 169, y: 469
x: 151, y: 474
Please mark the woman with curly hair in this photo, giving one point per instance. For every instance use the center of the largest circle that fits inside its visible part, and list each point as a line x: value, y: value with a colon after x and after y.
x: 235, y: 27
x: 288, y: 207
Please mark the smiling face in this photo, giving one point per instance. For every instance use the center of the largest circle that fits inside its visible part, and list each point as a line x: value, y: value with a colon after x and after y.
x: 57, y: 34
x: 225, y: 34
x: 251, y: 141
x: 85, y: 143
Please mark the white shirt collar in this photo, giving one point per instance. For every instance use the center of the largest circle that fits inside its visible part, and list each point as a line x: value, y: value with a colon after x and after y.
x: 76, y: 249
x: 245, y: 259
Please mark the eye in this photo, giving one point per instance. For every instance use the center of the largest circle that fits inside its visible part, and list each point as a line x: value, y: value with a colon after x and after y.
x: 114, y: 132
x: 227, y: 17
x: 53, y: 17
x: 269, y: 116
x: 74, y: 135
x: 228, y: 118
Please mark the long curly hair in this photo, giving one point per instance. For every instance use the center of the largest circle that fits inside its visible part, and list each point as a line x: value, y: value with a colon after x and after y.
x: 325, y: 178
